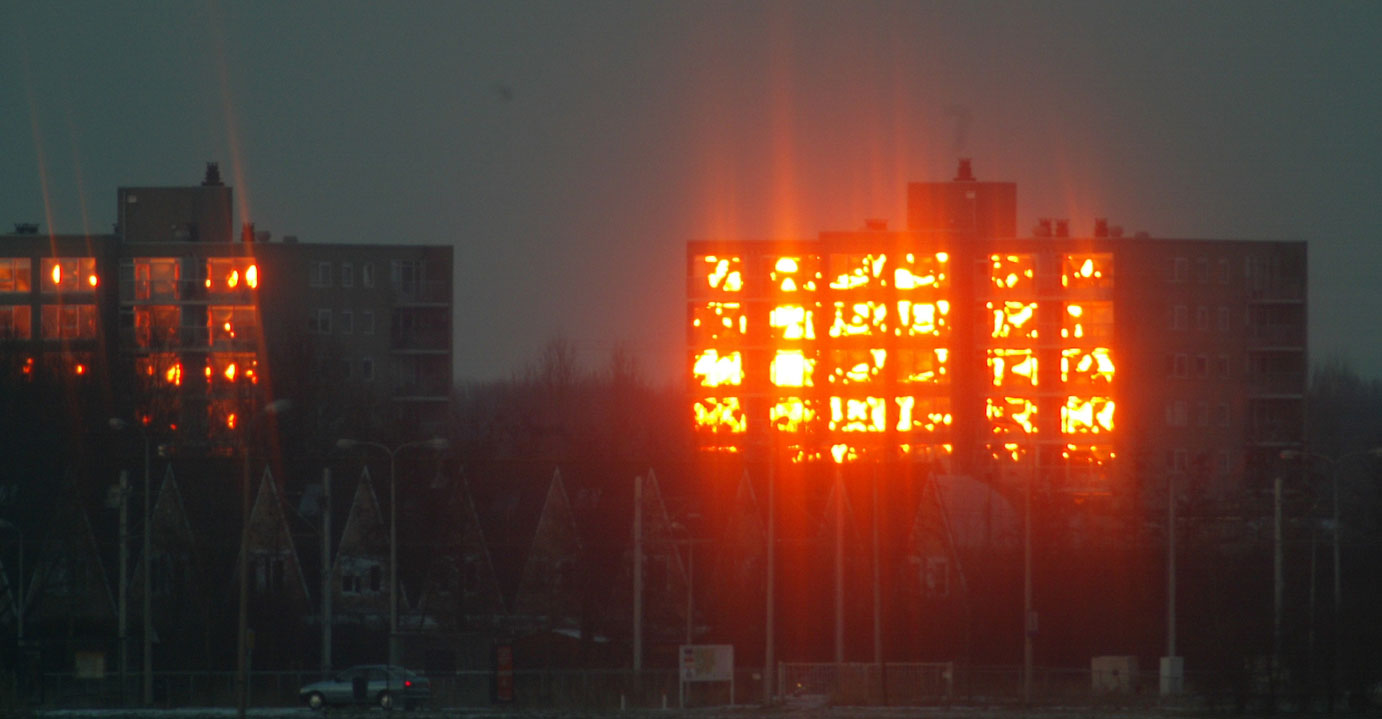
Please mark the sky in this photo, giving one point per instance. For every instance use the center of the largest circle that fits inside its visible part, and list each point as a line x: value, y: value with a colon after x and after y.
x: 569, y: 150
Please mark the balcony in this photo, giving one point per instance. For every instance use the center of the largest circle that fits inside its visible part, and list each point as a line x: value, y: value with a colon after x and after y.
x: 419, y: 341
x: 1276, y: 336
x: 426, y: 292
x: 1283, y: 385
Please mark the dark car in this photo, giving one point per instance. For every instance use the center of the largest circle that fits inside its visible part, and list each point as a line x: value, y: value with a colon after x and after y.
x: 387, y: 686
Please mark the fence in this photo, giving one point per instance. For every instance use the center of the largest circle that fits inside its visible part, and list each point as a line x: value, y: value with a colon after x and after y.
x: 591, y: 689
x: 852, y: 684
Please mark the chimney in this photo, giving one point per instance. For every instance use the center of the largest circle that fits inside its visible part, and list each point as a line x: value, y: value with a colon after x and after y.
x: 213, y: 175
x: 965, y: 173
x: 875, y: 224
x: 247, y: 233
x: 1101, y: 227
x: 1043, y: 228
x: 1062, y: 228
x: 26, y: 228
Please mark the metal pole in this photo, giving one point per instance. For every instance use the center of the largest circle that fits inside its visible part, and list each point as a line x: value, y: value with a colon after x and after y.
x: 1171, y: 566
x: 124, y: 583
x: 1027, y: 583
x: 769, y: 660
x: 326, y: 571
x: 241, y: 640
x: 839, y: 567
x: 877, y: 584
x: 637, y: 575
x: 1278, y: 581
x: 393, y: 561
x: 1337, y: 674
x: 690, y: 586
x: 148, y: 584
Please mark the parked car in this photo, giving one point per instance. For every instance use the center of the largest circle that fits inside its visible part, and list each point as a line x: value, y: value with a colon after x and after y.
x: 386, y: 686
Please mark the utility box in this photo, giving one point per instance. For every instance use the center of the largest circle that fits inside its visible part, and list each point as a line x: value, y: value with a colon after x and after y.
x: 1172, y: 675
x: 1113, y: 674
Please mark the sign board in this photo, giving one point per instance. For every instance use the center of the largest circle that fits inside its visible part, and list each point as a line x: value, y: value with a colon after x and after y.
x: 707, y: 662
x: 503, y: 673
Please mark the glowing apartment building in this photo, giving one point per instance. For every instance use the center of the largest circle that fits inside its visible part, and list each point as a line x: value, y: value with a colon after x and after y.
x: 956, y: 340
x: 185, y: 317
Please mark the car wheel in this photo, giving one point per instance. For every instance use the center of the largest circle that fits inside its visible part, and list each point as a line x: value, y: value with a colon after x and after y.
x: 316, y: 701
x: 385, y: 700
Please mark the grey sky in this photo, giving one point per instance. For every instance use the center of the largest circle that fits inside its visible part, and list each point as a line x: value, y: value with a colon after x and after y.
x: 568, y: 150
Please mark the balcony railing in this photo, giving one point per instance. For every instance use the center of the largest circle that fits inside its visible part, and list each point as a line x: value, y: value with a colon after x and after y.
x: 424, y: 292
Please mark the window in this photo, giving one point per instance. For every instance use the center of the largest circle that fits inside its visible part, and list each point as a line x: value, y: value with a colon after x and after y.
x: 69, y: 274
x: 1177, y: 460
x: 1202, y: 270
x: 1222, y: 462
x: 1221, y: 415
x: 1201, y: 318
x: 1202, y: 414
x: 347, y: 274
x: 1180, y: 270
x: 319, y: 322
x: 347, y: 322
x: 1223, y: 270
x: 321, y: 274
x: 367, y: 322
x: 15, y: 274
x: 1221, y: 367
x: 367, y: 274
x: 1225, y: 319
x: 69, y: 322
x: 1180, y: 315
x: 367, y: 369
x: 16, y: 322
x: 1180, y: 366
x: 1202, y: 366
x: 1176, y: 414
x: 404, y: 274
x: 345, y: 369
x: 230, y: 275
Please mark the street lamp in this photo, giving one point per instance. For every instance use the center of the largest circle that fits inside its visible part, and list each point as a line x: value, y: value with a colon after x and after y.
x: 118, y: 424
x: 19, y: 600
x: 1334, y: 462
x: 242, y: 632
x: 436, y: 443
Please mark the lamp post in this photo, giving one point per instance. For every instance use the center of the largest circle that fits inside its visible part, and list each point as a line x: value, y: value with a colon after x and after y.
x: 1334, y: 462
x: 436, y: 443
x: 19, y: 601
x: 117, y: 424
x: 242, y: 630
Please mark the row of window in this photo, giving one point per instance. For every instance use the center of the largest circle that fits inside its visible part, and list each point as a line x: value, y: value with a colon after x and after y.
x: 1259, y: 272
x: 323, y: 274
x: 1180, y: 318
x: 57, y: 274
x: 323, y: 321
x: 1184, y: 366
x: 57, y: 322
x: 1178, y: 460
x: 404, y: 275
x: 1178, y: 414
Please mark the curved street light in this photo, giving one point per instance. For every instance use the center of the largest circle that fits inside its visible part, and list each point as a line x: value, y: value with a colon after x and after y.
x: 119, y: 424
x: 435, y: 443
x: 1334, y: 463
x: 242, y: 631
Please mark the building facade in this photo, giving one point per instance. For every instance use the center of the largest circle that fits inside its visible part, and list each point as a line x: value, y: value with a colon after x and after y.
x: 194, y: 325
x: 1106, y: 363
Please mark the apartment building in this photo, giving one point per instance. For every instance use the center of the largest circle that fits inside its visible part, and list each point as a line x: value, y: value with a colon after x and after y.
x: 195, y: 325
x: 1105, y: 362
